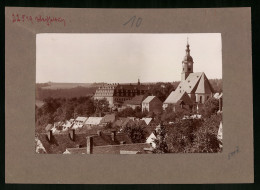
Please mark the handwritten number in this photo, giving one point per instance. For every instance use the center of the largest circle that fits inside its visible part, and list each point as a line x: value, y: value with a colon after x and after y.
x: 134, y: 17
x: 137, y: 24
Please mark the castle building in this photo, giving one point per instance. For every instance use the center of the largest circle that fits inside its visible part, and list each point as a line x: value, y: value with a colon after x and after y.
x: 117, y: 94
x: 194, y: 87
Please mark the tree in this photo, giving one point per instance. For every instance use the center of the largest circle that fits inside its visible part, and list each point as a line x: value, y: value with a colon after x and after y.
x: 136, y: 131
x: 206, y: 136
x: 169, y: 115
x: 180, y: 135
x: 102, y: 105
x: 127, y: 112
x: 61, y: 109
x: 210, y: 107
x: 161, y: 90
x: 160, y: 141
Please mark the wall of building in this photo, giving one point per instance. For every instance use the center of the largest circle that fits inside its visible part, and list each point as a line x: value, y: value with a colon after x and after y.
x: 202, y: 98
x: 145, y: 106
x: 193, y: 97
x: 155, y: 105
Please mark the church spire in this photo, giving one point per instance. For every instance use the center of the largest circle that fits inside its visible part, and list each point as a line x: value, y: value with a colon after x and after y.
x: 188, y: 47
x: 187, y: 63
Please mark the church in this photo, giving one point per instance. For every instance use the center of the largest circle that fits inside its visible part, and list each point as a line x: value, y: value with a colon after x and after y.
x: 193, y: 89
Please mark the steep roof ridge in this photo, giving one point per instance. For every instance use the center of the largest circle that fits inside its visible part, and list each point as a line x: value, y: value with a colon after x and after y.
x: 204, y: 85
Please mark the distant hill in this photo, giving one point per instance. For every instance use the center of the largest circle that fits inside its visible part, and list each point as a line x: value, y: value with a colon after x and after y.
x: 55, y: 85
x: 64, y: 90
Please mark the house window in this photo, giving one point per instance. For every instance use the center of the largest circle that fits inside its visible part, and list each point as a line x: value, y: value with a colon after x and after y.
x: 200, y: 99
x: 207, y: 97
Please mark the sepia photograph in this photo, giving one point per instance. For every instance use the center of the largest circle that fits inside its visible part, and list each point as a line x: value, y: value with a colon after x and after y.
x: 128, y: 93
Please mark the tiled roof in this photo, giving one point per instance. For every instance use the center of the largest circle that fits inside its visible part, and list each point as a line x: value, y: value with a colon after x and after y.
x: 147, y: 120
x: 108, y: 118
x: 149, y: 99
x: 122, y: 121
x: 176, y: 96
x: 137, y: 100
x: 83, y: 119
x: 195, y: 83
x: 60, y: 142
x: 112, y: 149
x: 93, y: 120
x: 137, y: 122
x: 105, y: 139
x: 150, y: 130
x: 204, y: 85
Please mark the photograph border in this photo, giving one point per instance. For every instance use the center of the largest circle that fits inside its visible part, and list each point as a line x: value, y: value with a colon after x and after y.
x: 101, y: 182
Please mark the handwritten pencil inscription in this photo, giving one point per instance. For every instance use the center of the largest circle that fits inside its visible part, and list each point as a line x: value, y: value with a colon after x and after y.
x: 233, y: 153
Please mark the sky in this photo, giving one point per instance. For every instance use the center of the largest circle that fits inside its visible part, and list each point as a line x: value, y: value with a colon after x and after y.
x: 123, y: 58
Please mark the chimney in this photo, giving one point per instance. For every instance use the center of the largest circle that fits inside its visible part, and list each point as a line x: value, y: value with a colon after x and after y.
x: 90, y: 145
x: 113, y: 135
x: 99, y: 132
x: 72, y: 134
x: 50, y: 135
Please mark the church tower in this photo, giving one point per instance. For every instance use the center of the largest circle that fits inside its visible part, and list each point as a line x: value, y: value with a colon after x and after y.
x: 138, y: 83
x: 187, y: 64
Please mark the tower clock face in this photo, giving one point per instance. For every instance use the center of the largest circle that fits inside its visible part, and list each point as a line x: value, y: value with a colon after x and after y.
x: 189, y: 64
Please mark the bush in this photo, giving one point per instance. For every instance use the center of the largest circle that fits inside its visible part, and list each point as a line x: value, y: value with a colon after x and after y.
x: 136, y: 132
